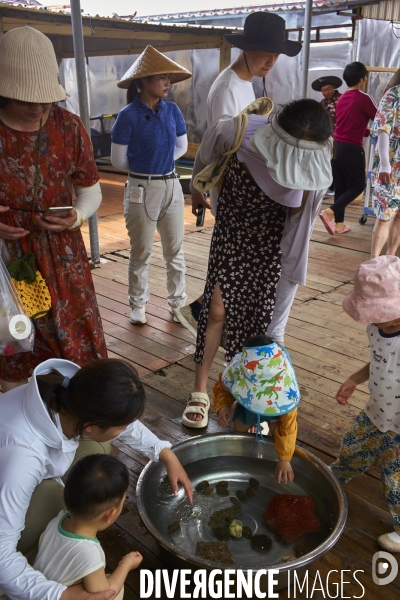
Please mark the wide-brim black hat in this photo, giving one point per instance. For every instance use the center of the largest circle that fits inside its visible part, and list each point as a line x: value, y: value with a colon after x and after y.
x: 264, y: 31
x: 330, y: 80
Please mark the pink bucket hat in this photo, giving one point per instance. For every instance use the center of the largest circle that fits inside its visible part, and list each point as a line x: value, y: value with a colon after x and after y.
x: 376, y: 294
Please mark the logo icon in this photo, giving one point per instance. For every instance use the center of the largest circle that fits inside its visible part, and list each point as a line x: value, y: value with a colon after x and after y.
x: 385, y: 564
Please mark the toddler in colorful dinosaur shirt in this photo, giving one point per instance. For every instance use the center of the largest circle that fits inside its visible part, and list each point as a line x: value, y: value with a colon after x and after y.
x: 375, y: 432
x: 262, y: 381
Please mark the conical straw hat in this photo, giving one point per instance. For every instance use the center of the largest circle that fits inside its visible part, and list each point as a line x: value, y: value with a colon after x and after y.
x: 152, y: 62
x: 28, y: 67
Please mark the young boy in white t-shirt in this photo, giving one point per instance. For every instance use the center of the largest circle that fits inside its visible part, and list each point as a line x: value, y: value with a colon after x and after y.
x: 69, y: 551
x: 375, y: 433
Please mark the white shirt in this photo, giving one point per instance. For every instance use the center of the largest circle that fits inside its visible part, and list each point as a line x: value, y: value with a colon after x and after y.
x: 65, y: 557
x: 383, y: 406
x: 33, y: 448
x: 228, y: 95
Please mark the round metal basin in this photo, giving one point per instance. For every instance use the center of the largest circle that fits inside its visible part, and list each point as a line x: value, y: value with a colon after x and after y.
x: 236, y: 458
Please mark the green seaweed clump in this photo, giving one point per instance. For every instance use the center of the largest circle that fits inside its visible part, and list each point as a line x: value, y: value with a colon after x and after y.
x: 254, y: 483
x: 203, y: 485
x: 165, y: 485
x: 219, y: 518
x: 216, y: 551
x: 222, y: 533
x: 241, y: 495
x: 174, y: 527
x: 251, y: 492
x: 247, y: 532
x: 222, y: 488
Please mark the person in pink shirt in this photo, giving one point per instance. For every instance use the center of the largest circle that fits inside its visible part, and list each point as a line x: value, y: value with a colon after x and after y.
x: 353, y: 112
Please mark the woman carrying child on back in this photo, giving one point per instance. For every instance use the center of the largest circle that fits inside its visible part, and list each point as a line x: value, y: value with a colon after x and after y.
x: 271, y: 194
x: 40, y: 428
x: 375, y: 433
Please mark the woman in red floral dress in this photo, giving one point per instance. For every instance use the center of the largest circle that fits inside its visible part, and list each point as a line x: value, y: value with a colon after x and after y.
x: 29, y: 91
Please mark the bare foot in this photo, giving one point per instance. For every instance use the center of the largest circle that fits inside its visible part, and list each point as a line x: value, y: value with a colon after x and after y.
x: 195, y: 416
x: 197, y: 399
x: 329, y: 214
x: 339, y: 227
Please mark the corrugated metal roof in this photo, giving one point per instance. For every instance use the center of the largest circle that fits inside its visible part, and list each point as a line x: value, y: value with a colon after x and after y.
x: 20, y: 8
x: 386, y: 11
x: 27, y: 4
x: 272, y: 6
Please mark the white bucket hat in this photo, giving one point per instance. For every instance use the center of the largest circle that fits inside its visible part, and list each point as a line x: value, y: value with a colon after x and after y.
x: 293, y: 163
x: 263, y: 381
x: 28, y: 67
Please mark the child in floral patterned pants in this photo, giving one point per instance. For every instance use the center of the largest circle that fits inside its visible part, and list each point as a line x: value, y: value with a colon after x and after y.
x: 375, y: 433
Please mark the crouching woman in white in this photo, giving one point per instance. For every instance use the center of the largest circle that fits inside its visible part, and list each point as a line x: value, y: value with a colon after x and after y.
x: 147, y: 137
x: 40, y: 426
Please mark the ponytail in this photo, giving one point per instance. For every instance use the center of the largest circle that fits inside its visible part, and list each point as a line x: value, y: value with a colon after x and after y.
x: 52, y: 391
x: 106, y: 392
x: 133, y: 90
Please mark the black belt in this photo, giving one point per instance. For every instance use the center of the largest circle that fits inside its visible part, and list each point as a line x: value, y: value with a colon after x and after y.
x: 154, y: 177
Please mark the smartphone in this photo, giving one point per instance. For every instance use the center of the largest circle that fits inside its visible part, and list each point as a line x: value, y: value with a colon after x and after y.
x: 57, y: 211
x: 201, y: 213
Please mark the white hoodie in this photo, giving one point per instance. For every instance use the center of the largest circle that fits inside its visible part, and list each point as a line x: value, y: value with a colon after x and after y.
x: 33, y: 448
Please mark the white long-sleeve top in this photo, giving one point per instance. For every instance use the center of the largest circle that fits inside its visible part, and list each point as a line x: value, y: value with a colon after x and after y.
x: 33, y: 448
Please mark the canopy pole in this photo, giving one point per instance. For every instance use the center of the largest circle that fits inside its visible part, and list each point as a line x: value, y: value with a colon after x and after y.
x: 306, y: 47
x: 79, y: 52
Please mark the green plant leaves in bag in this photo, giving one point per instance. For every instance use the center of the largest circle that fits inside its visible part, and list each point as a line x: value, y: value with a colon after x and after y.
x: 23, y: 268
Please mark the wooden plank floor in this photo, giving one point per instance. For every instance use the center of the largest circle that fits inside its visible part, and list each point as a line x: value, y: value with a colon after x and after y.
x: 325, y: 345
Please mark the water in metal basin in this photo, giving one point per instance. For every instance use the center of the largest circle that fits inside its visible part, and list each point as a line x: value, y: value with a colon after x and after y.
x: 193, y: 519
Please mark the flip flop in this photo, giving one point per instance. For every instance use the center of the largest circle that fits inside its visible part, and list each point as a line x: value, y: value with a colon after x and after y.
x: 196, y: 397
x: 345, y: 230
x: 329, y: 226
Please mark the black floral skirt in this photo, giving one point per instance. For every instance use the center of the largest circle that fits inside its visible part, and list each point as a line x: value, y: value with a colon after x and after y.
x: 244, y: 260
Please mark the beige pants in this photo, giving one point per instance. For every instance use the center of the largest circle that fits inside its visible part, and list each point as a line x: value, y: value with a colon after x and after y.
x: 47, y: 501
x: 142, y: 219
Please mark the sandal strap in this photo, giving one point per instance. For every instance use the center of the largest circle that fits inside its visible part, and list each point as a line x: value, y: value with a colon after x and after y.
x: 199, y: 397
x: 198, y: 410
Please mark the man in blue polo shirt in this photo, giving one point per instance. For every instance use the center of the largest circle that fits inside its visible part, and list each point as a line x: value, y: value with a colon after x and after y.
x: 147, y: 137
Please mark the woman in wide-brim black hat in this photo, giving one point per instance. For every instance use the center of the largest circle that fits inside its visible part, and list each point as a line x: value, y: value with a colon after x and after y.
x: 321, y: 82
x: 262, y: 41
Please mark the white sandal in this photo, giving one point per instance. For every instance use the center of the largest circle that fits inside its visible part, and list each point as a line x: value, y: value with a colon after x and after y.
x: 390, y: 541
x: 194, y: 398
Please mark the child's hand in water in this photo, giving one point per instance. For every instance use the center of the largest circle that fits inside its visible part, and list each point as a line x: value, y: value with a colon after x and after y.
x: 224, y: 414
x: 345, y: 391
x: 176, y: 473
x: 131, y: 560
x: 284, y: 471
